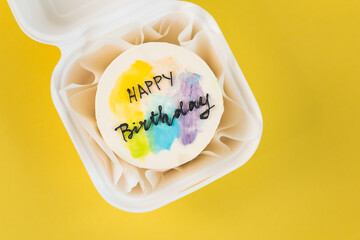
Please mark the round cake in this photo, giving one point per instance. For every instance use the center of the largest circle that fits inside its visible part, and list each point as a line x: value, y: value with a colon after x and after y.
x: 158, y: 105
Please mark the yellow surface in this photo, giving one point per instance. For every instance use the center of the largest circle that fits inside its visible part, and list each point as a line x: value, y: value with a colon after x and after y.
x: 302, y: 61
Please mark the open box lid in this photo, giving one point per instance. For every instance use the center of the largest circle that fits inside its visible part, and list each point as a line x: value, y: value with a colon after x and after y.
x: 59, y: 21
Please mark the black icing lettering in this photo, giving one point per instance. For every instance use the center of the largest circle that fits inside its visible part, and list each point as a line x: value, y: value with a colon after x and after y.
x: 177, y: 113
x: 124, y: 130
x: 191, y: 105
x: 141, y: 91
x: 148, y: 85
x: 164, y: 117
x: 181, y: 109
x: 132, y: 95
x: 152, y: 118
x: 141, y: 123
x: 169, y: 78
x: 206, y: 113
x: 146, y: 127
x: 157, y: 79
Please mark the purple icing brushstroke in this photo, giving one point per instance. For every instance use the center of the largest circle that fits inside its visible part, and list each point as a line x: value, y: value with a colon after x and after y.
x: 190, y: 89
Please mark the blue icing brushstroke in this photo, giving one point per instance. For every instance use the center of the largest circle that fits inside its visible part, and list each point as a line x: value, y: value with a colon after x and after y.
x: 162, y: 136
x: 191, y: 78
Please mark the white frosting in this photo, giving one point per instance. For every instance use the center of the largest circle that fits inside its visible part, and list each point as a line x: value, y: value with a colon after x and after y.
x: 161, y: 147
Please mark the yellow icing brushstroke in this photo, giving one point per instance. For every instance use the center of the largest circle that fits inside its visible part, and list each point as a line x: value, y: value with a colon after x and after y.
x: 120, y: 105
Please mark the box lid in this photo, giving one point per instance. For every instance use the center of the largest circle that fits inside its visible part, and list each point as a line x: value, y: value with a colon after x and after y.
x: 59, y: 21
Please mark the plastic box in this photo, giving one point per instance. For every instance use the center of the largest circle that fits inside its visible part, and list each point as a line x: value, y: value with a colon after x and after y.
x: 70, y: 25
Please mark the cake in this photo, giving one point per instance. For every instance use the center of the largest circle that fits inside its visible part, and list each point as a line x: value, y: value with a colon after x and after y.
x: 158, y: 105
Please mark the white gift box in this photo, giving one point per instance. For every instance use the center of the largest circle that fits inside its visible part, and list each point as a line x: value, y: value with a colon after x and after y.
x: 90, y: 34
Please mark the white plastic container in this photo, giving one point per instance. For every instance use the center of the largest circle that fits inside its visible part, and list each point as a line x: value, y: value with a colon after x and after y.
x: 70, y: 25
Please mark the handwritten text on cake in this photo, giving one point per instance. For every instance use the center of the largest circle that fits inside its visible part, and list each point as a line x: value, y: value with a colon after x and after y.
x: 139, y: 90
x: 164, y: 118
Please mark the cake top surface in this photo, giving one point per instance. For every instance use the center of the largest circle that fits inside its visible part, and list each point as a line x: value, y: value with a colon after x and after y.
x: 158, y: 105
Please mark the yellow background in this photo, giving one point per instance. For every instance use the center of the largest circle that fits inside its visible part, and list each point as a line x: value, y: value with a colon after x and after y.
x: 302, y: 62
